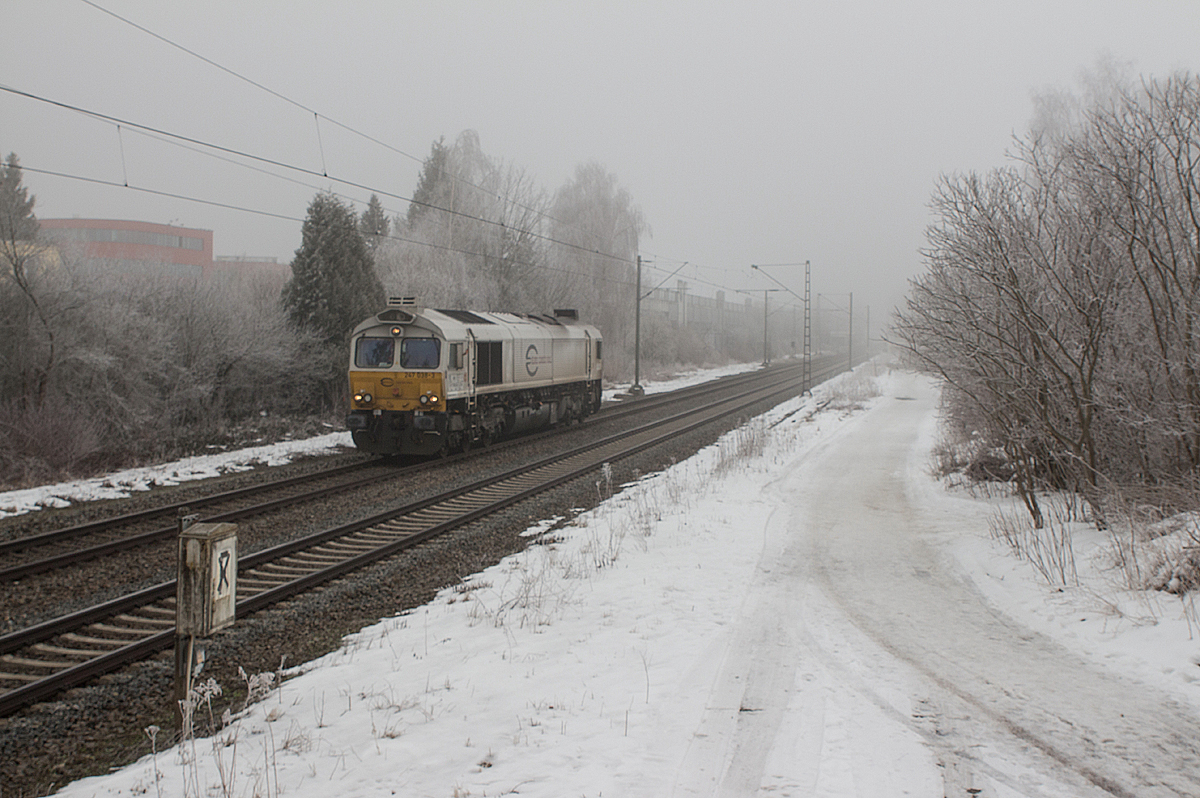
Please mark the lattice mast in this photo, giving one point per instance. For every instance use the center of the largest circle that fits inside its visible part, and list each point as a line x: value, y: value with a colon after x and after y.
x: 807, y: 327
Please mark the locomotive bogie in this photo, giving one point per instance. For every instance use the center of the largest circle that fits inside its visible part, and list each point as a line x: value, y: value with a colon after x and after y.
x: 425, y: 382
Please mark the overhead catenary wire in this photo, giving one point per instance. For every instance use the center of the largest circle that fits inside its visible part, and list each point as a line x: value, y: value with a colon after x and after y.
x: 292, y: 218
x: 317, y: 115
x: 297, y: 104
x: 285, y: 217
x: 324, y: 173
x: 292, y: 167
x: 391, y: 237
x: 208, y: 149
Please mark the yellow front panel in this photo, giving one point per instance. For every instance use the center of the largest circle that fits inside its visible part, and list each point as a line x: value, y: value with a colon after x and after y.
x: 398, y: 390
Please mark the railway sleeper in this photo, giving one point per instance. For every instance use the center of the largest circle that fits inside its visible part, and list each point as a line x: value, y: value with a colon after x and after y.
x: 106, y: 642
x: 20, y: 677
x: 348, y: 548
x: 122, y: 630
x: 395, y: 525
x: 281, y: 569
x: 160, y: 623
x: 401, y: 530
x: 62, y: 652
x: 373, y: 539
x: 261, y: 582
x: 47, y: 664
x: 315, y: 558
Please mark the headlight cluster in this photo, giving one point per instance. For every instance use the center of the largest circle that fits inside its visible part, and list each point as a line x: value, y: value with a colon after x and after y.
x: 363, y: 398
x: 427, y: 398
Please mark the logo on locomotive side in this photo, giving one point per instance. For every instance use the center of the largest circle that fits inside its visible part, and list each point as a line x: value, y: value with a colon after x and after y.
x: 533, y: 360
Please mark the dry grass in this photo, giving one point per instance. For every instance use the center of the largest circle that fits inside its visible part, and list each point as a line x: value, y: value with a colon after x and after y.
x: 852, y: 390
x: 1048, y: 549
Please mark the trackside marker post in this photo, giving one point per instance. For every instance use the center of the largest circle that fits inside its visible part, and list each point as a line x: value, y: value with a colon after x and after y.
x: 205, y: 594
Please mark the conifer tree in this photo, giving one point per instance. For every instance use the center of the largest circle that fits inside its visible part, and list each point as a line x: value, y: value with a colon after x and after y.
x: 17, y: 222
x: 333, y: 285
x: 432, y: 183
x: 374, y: 224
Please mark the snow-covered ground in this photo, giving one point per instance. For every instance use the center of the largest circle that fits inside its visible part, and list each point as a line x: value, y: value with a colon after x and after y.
x: 125, y: 483
x: 715, y: 630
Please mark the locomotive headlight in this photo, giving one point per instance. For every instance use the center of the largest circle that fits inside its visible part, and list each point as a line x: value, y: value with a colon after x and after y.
x: 397, y: 330
x: 424, y: 399
x: 367, y: 398
x: 363, y: 398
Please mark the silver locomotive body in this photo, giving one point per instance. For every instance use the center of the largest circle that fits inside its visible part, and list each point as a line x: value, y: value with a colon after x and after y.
x: 426, y: 381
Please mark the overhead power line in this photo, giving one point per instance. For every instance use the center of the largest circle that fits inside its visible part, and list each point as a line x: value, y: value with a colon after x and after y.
x: 390, y: 237
x: 285, y: 217
x: 292, y: 167
x: 317, y: 115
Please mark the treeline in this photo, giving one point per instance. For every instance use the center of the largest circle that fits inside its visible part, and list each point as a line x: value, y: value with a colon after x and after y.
x: 99, y: 370
x: 480, y: 233
x: 1061, y: 300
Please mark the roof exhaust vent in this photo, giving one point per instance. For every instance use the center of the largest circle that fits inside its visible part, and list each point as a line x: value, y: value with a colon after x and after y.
x: 402, y: 302
x: 566, y: 313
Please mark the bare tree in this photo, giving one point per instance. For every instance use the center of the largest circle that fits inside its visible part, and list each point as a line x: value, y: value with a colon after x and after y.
x: 1062, y: 298
x: 597, y: 229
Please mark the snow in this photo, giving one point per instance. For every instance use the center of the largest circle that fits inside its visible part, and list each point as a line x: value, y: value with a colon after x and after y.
x: 676, y: 640
x: 679, y: 380
x: 124, y: 483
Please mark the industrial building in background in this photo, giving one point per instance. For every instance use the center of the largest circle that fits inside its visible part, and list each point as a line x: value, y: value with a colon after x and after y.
x: 146, y: 249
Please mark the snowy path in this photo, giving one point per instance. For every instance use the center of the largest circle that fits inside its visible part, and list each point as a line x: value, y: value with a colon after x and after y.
x: 860, y: 641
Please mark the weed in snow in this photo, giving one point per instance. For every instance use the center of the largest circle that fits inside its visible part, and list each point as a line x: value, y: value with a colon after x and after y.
x: 1048, y: 549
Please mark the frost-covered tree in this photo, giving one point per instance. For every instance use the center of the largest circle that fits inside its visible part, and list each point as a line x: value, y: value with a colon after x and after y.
x: 1061, y: 302
x: 474, y: 234
x: 333, y: 285
x: 513, y: 252
x: 17, y: 222
x: 30, y: 295
x: 374, y: 224
x: 596, y: 228
x: 433, y: 185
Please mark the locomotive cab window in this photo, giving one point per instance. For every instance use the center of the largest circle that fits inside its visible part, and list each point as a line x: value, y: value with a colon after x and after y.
x: 374, y: 353
x: 420, y: 353
x: 598, y: 350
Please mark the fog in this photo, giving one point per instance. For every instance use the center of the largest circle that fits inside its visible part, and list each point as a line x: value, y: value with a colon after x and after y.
x: 771, y: 133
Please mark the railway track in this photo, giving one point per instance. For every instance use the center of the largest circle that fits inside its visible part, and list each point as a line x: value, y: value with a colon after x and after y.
x: 44, y: 659
x: 106, y: 537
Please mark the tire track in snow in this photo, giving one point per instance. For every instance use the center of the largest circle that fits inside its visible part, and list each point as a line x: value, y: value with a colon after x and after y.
x: 774, y: 719
x: 872, y: 561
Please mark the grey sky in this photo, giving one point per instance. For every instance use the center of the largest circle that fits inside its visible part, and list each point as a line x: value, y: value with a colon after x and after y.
x: 747, y: 132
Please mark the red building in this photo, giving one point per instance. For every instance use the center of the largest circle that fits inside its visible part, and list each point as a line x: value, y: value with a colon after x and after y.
x: 137, y: 247
x: 145, y: 248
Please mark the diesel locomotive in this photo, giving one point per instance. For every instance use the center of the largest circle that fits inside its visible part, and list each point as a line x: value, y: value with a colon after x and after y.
x: 429, y: 382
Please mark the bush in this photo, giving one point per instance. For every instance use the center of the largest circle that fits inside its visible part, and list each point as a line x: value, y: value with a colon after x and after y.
x: 131, y: 370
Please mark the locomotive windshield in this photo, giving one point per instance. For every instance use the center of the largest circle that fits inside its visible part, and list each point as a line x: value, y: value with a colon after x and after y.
x: 374, y: 353
x: 420, y: 353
